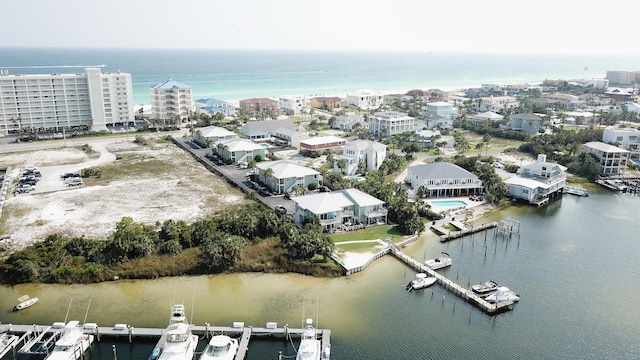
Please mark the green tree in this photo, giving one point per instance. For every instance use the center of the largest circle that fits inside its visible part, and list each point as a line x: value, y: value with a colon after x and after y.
x: 131, y: 240
x: 221, y: 252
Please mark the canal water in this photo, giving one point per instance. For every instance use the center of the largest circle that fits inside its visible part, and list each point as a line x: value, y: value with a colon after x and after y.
x: 574, y: 264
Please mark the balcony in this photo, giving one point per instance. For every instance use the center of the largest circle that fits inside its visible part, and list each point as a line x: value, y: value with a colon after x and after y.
x: 376, y: 213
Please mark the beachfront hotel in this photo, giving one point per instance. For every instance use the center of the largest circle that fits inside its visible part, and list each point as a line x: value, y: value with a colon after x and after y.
x: 171, y: 100
x: 57, y: 101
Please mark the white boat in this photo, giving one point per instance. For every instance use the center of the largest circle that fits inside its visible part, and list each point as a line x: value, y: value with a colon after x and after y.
x: 180, y: 343
x: 503, y: 293
x: 310, y: 346
x: 486, y: 289
x: 7, y: 342
x: 443, y: 260
x: 420, y: 282
x: 72, y: 344
x: 220, y: 347
x: 25, y: 302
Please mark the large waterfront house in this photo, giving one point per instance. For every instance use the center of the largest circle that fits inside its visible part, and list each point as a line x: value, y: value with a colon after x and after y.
x: 362, y: 155
x: 628, y: 138
x: 211, y: 106
x: 282, y: 175
x: 527, y: 123
x: 237, y: 150
x: 171, y: 100
x: 208, y: 135
x: 57, y: 101
x: 292, y: 104
x: 443, y: 179
x: 255, y: 105
x: 322, y: 143
x: 386, y: 123
x: 365, y: 99
x: 340, y: 210
x: 263, y: 130
x: 538, y: 181
x: 326, y: 102
x: 611, y: 160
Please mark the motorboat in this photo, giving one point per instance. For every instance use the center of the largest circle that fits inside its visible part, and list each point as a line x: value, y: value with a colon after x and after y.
x: 72, y: 344
x: 24, y: 302
x: 485, y: 289
x: 180, y: 342
x: 420, y: 282
x: 310, y: 346
x: 503, y: 293
x: 443, y: 260
x: 220, y: 347
x: 7, y: 342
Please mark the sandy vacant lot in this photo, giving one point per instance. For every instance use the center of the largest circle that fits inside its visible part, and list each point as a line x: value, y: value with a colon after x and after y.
x: 179, y: 188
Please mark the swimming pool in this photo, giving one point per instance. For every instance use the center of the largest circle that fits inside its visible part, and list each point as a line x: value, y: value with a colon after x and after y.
x: 448, y: 203
x: 354, y: 178
x: 636, y: 161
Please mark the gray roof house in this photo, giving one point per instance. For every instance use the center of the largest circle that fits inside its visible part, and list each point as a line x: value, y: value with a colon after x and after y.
x: 263, y: 130
x: 285, y: 175
x: 340, y: 210
x: 236, y: 150
x: 443, y: 179
x: 211, y: 134
x: 527, y: 123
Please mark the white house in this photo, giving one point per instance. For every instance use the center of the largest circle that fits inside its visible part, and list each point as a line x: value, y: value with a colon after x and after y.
x: 626, y: 138
x: 612, y: 160
x: 370, y: 154
x: 495, y: 103
x: 263, y: 130
x: 443, y: 179
x: 441, y: 108
x: 213, y: 106
x: 538, y: 181
x: 212, y: 134
x: 487, y: 116
x: 347, y: 121
x: 285, y: 175
x: 387, y: 123
x: 291, y: 103
x: 171, y: 99
x: 365, y: 99
x: 340, y: 210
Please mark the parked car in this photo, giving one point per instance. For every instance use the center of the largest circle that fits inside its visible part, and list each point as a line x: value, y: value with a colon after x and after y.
x: 75, y: 183
x: 25, y: 189
x: 28, y: 181
x: 73, y: 180
x: 497, y: 165
x: 325, y: 189
x: 242, y: 165
x: 281, y: 209
x: 69, y: 175
x: 287, y: 195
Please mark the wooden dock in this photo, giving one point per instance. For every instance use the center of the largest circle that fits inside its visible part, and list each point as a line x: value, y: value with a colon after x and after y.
x: 123, y: 330
x: 456, y: 289
x: 446, y: 235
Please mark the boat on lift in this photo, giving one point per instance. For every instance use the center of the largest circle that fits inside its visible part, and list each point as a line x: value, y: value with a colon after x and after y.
x: 443, y: 260
x: 420, y: 282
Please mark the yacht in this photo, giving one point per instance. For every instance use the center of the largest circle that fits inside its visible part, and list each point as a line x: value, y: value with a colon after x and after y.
x: 180, y: 343
x: 420, y: 282
x: 72, y: 343
x: 220, y: 347
x: 310, y: 347
x: 486, y: 289
x: 443, y: 260
x: 503, y: 293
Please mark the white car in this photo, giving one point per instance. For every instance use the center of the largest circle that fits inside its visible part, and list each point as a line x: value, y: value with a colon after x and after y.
x: 497, y: 165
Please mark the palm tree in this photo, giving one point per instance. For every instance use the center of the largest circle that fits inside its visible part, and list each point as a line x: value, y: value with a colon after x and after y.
x: 267, y: 175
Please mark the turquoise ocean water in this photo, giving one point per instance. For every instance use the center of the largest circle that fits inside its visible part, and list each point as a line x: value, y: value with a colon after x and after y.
x: 234, y: 75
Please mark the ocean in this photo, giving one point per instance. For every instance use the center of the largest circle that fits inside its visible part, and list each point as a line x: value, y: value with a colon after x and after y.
x: 239, y: 74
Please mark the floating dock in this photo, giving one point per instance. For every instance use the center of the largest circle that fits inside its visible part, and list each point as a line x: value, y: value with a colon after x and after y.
x: 456, y: 289
x: 29, y: 334
x: 446, y: 235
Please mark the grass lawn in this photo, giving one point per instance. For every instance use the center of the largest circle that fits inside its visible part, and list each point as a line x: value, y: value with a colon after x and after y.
x: 372, y: 233
x: 358, y: 246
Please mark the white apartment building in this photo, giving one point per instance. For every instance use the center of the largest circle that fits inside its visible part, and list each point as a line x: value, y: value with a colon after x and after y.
x: 617, y: 77
x: 291, y: 103
x: 612, y: 160
x: 387, y: 123
x: 170, y: 99
x: 495, y: 103
x: 57, y: 101
x: 365, y: 99
x: 368, y: 153
x: 627, y: 138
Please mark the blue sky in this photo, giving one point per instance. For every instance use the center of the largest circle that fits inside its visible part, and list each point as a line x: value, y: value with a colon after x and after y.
x: 548, y: 26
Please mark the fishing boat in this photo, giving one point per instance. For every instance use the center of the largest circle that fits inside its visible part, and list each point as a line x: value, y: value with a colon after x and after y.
x: 24, y: 302
x: 180, y: 342
x: 575, y: 190
x: 310, y: 346
x: 485, y: 289
x: 72, y: 344
x: 443, y: 260
x: 503, y: 293
x: 220, y: 347
x: 420, y: 282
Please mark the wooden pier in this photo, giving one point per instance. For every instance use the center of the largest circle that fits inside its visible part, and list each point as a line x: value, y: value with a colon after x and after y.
x: 446, y: 235
x: 123, y: 330
x: 450, y: 285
